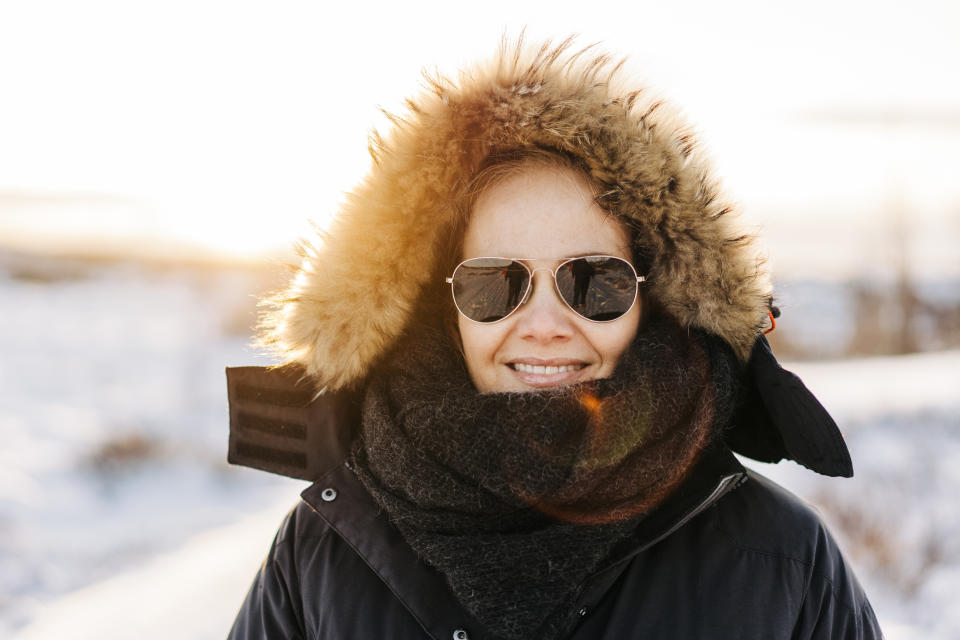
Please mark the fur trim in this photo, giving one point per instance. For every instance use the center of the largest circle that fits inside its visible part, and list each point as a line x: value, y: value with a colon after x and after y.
x: 357, y: 286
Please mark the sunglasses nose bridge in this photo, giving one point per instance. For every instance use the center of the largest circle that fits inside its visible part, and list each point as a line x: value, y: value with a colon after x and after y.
x: 551, y: 285
x: 533, y: 272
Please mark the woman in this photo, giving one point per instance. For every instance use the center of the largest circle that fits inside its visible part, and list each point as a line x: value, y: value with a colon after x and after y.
x: 547, y: 452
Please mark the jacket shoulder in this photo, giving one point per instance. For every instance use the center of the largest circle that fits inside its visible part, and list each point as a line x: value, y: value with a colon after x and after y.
x: 314, y: 584
x: 758, y: 563
x: 765, y: 517
x: 767, y: 522
x: 300, y: 527
x: 274, y: 605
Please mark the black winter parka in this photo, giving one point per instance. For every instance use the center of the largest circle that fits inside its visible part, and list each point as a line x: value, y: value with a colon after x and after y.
x: 729, y: 555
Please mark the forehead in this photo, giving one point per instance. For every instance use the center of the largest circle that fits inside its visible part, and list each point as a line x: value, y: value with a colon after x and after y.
x: 542, y: 212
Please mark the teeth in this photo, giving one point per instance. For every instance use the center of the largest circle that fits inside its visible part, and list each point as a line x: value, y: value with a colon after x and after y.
x: 544, y: 370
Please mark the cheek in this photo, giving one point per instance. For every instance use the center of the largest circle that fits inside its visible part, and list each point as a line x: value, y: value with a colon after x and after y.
x: 480, y: 344
x: 612, y: 341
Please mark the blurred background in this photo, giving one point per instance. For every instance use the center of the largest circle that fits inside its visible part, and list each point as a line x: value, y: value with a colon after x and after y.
x: 157, y: 161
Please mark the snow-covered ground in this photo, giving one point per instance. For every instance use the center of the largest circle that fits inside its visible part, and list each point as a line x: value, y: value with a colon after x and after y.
x: 119, y: 517
x: 113, y: 421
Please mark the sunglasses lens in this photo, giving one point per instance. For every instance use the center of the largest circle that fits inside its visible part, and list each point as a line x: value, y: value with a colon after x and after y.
x: 489, y: 289
x: 599, y: 288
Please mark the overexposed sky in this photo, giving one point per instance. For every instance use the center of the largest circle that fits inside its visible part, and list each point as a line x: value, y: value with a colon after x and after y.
x: 228, y: 124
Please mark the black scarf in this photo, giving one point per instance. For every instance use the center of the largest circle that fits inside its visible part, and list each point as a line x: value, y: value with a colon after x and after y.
x: 516, y: 497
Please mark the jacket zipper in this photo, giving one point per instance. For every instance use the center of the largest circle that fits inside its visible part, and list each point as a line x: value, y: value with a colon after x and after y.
x: 726, y: 484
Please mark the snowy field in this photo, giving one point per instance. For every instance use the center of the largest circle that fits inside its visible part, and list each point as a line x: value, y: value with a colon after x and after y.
x: 119, y: 517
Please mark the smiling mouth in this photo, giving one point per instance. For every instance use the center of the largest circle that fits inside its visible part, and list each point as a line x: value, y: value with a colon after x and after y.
x: 539, y: 369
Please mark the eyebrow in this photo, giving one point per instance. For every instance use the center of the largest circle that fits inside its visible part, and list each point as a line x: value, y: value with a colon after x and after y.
x: 582, y: 254
x: 567, y: 257
x: 587, y: 253
x: 579, y: 254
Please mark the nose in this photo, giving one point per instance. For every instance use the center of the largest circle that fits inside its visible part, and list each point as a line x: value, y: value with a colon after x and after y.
x: 543, y: 318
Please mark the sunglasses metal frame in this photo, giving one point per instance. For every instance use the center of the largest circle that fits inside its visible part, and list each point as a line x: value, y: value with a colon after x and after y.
x: 556, y: 286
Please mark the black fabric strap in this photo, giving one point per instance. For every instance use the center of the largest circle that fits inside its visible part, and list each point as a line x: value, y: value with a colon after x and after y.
x: 780, y: 418
x: 279, y: 424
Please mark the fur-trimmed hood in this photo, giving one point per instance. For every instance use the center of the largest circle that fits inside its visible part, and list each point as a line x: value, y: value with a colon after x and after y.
x: 359, y: 282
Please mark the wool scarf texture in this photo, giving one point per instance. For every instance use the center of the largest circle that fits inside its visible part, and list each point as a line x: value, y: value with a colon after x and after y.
x: 517, y: 497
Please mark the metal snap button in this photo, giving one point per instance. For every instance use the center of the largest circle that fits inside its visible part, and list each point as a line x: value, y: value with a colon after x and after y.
x: 460, y: 634
x: 582, y: 612
x: 329, y: 494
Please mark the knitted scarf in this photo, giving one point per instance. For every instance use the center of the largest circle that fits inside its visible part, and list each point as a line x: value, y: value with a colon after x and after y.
x: 516, y: 497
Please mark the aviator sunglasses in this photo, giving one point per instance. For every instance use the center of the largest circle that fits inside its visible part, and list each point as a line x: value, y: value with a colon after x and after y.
x: 597, y: 288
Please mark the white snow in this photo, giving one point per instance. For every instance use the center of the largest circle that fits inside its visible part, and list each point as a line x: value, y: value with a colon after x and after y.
x: 854, y: 390
x: 119, y: 517
x: 193, y: 591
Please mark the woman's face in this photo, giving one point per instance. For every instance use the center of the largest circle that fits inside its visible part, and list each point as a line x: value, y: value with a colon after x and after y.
x: 547, y: 214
